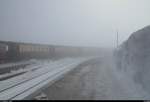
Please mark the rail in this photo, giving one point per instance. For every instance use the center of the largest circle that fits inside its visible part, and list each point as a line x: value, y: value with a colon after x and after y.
x: 25, y: 89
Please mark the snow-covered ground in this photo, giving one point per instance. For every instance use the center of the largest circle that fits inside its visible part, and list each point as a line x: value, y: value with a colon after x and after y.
x: 100, y: 80
x: 42, y: 68
x: 17, y: 68
x: 24, y: 85
x: 133, y: 57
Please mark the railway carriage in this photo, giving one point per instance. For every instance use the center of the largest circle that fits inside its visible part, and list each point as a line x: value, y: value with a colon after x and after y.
x: 13, y: 51
x: 3, y: 52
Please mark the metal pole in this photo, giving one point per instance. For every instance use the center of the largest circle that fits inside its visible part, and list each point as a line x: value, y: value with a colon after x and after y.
x: 117, y: 39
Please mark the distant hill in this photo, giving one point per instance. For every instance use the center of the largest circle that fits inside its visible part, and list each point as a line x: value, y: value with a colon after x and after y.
x: 133, y: 56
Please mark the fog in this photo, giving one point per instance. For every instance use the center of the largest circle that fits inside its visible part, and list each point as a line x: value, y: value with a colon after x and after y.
x: 72, y: 22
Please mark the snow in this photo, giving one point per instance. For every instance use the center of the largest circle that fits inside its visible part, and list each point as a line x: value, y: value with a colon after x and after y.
x: 36, y: 79
x: 133, y: 57
x: 42, y: 96
x: 99, y: 81
x: 27, y: 76
x: 15, y: 64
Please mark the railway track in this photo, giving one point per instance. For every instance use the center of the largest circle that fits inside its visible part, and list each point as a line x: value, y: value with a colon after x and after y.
x: 27, y: 85
x: 32, y: 74
x: 14, y: 69
x: 8, y: 68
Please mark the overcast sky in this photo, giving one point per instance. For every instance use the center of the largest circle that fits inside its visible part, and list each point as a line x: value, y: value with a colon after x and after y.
x: 72, y: 22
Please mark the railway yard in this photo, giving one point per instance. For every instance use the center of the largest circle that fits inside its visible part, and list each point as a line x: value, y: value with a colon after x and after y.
x: 95, y: 80
x: 37, y: 75
x: 71, y: 79
x: 67, y: 76
x: 74, y: 50
x: 26, y: 69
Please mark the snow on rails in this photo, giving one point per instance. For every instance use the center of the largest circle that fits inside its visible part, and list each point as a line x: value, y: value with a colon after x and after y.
x: 29, y: 84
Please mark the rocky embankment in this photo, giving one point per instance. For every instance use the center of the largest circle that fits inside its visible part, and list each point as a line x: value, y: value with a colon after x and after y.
x: 133, y: 57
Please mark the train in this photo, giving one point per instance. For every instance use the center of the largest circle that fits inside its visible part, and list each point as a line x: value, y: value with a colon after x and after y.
x: 16, y: 51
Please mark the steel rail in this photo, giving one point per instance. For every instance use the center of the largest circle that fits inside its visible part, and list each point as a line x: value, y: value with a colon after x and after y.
x: 25, y: 89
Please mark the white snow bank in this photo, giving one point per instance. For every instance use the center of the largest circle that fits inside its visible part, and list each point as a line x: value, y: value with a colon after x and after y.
x: 133, y: 57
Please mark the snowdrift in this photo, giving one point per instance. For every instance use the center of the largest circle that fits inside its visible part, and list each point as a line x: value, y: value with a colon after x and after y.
x: 133, y: 57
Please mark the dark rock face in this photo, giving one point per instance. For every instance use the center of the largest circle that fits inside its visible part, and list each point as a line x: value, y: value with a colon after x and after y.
x: 133, y: 56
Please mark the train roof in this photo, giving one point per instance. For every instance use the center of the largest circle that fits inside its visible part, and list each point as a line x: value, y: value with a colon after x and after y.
x: 13, y: 42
